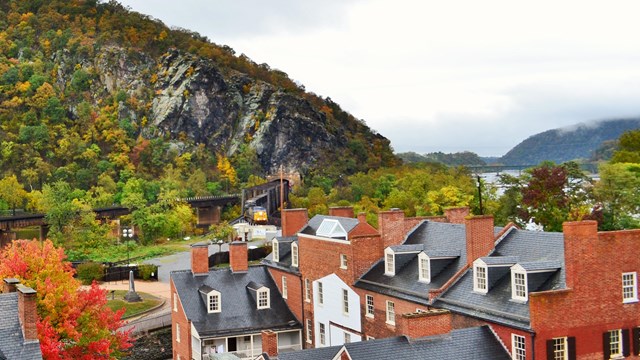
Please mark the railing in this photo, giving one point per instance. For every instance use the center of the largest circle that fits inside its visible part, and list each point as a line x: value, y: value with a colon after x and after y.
x: 147, y: 324
x: 243, y: 354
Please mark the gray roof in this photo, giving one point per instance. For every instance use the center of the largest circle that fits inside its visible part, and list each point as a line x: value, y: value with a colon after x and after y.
x: 12, y: 344
x: 439, y: 239
x: 239, y: 314
x: 312, y: 226
x: 533, y: 249
x: 499, y: 260
x: 284, y: 260
x: 477, y: 343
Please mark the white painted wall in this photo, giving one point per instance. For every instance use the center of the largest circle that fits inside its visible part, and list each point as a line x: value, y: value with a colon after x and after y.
x: 331, y: 311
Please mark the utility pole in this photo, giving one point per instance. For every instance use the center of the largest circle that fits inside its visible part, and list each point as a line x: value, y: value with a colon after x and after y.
x: 480, y: 194
x: 282, y: 217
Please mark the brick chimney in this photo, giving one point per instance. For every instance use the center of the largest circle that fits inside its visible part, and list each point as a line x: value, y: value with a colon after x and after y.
x: 480, y: 239
x: 10, y: 285
x: 200, y: 258
x: 362, y: 218
x: 295, y: 220
x: 238, y: 257
x: 269, y: 342
x: 391, y: 227
x: 456, y: 215
x: 421, y: 324
x: 342, y: 211
x: 27, y: 312
x: 580, y: 238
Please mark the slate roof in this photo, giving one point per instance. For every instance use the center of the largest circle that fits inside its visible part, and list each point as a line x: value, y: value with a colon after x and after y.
x: 239, y: 313
x: 477, y: 343
x: 312, y: 226
x: 11, y: 340
x: 284, y: 247
x: 534, y: 250
x: 440, y: 239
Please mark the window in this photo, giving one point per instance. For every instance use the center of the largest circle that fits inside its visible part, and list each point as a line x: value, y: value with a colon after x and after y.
x: 519, y: 285
x: 275, y: 251
x: 424, y: 271
x: 322, y: 334
x: 370, y: 338
x: 345, y: 301
x: 320, y: 294
x: 263, y: 298
x: 629, y: 288
x: 347, y: 338
x: 391, y: 313
x: 294, y: 254
x: 560, y: 351
x: 389, y: 266
x: 370, y: 308
x: 309, y: 331
x: 615, y: 343
x: 480, y: 279
x: 307, y: 290
x: 175, y: 302
x: 284, y: 287
x: 518, y: 351
x: 343, y: 261
x: 562, y: 348
x: 213, y: 302
x: 177, y: 332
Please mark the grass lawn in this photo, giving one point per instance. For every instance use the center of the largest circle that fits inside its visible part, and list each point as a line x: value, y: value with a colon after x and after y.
x: 132, y: 309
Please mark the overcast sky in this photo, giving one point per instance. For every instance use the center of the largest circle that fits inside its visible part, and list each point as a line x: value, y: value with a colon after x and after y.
x: 439, y: 75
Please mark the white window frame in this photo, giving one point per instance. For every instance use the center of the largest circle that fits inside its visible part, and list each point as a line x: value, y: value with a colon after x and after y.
x: 560, y: 348
x: 285, y: 291
x: 615, y: 342
x: 294, y: 255
x: 214, y: 297
x: 345, y: 301
x: 518, y: 347
x: 323, y: 334
x: 263, y: 298
x: 370, y: 338
x: 519, y: 286
x: 175, y: 302
x: 369, y: 308
x: 343, y: 261
x: 389, y: 262
x: 391, y: 312
x: 480, y: 277
x: 309, y: 331
x: 177, y: 332
x: 629, y: 287
x: 275, y: 250
x: 320, y: 293
x: 307, y: 290
x: 347, y: 337
x: 424, y: 268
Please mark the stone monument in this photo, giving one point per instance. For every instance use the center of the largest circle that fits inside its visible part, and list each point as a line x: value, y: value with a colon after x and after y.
x: 132, y: 295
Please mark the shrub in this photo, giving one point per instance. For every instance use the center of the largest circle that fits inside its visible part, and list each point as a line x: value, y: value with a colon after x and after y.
x: 90, y: 271
x: 145, y: 271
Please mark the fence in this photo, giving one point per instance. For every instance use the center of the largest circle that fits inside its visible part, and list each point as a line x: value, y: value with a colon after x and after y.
x: 114, y: 272
x: 149, y: 323
x: 223, y: 257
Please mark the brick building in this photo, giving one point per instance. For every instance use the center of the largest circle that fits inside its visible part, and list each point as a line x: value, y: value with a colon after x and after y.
x: 18, y: 317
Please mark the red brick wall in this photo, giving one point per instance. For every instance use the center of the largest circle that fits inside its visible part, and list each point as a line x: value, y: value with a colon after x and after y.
x: 377, y: 326
x: 269, y: 342
x: 480, y: 240
x: 593, y: 305
x: 421, y: 324
x: 294, y: 220
x: 295, y: 295
x: 319, y: 258
x: 391, y: 226
x: 342, y: 211
x: 200, y: 258
x: 504, y: 333
x: 27, y: 312
x: 238, y: 257
x: 365, y: 251
x: 182, y: 348
x: 456, y: 215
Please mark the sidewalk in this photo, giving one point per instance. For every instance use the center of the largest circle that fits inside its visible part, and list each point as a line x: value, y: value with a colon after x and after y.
x: 155, y: 288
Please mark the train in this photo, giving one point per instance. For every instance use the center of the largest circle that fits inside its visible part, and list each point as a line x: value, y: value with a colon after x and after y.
x: 255, y: 214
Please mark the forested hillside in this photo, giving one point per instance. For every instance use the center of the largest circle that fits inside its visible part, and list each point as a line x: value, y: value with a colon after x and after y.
x: 92, y: 94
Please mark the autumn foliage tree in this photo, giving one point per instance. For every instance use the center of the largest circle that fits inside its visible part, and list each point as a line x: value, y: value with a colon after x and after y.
x: 73, y: 323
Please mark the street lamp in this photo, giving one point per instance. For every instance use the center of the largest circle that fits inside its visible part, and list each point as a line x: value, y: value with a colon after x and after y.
x: 127, y: 233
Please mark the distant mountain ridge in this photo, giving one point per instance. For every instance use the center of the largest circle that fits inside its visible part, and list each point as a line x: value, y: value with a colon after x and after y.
x: 579, y: 141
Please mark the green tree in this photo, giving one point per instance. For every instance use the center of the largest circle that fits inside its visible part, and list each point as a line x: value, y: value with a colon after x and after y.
x: 12, y: 192
x: 618, y: 191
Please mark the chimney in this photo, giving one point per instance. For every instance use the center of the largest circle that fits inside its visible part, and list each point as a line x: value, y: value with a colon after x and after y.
x: 391, y: 227
x: 342, y: 211
x: 456, y: 215
x: 366, y: 250
x: 295, y: 220
x: 200, y: 258
x: 480, y: 238
x: 27, y: 312
x: 238, y: 257
x: 269, y: 342
x: 580, y: 238
x: 362, y: 218
x: 420, y: 324
x: 10, y: 285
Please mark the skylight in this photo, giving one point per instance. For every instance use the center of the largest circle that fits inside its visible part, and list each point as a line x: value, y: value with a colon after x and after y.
x: 331, y: 228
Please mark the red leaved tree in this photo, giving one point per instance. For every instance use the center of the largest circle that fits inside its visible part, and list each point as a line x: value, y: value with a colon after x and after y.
x: 74, y: 323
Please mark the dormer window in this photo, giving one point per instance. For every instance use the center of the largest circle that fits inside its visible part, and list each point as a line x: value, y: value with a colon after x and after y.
x: 389, y: 263
x: 424, y: 268
x: 294, y: 254
x: 529, y: 276
x: 519, y: 284
x: 487, y: 271
x: 213, y: 302
x: 331, y: 228
x: 480, y: 278
x: 263, y: 298
x: 276, y: 250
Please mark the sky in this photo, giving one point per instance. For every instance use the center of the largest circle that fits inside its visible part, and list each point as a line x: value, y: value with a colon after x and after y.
x: 434, y: 75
